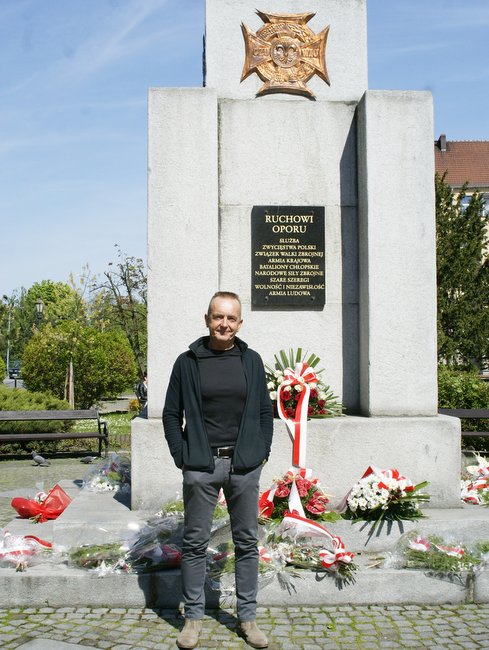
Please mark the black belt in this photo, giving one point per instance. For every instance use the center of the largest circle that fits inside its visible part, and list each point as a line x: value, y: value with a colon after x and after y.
x: 223, y: 452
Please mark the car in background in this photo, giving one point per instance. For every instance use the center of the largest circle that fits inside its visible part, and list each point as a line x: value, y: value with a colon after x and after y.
x: 14, y: 370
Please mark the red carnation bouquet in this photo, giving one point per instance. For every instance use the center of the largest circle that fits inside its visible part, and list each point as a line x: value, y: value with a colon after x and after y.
x: 278, y: 501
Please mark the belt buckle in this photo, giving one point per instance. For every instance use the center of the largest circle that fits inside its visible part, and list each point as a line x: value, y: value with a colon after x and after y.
x: 224, y: 452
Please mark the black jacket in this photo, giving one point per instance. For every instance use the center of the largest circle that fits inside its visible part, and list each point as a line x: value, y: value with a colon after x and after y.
x: 183, y: 419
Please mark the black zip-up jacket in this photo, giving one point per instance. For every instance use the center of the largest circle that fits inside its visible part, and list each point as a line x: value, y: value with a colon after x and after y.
x: 183, y: 420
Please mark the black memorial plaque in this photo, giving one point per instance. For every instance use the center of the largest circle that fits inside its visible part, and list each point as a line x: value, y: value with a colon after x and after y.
x: 287, y: 257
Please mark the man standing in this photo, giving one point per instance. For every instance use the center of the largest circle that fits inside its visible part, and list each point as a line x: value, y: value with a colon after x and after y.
x: 218, y: 424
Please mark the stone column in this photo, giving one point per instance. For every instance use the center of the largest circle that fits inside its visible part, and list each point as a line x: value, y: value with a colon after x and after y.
x: 397, y: 254
x: 183, y: 246
x: 183, y: 257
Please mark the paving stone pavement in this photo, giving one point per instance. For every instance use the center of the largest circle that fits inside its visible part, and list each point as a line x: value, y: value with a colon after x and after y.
x: 446, y: 627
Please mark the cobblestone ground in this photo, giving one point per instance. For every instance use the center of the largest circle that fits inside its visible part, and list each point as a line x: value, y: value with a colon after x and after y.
x: 293, y: 628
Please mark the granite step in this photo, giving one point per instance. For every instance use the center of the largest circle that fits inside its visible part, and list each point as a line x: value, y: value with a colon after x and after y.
x: 103, y: 517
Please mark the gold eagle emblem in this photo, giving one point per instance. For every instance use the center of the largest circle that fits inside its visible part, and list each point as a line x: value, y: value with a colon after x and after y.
x: 285, y: 53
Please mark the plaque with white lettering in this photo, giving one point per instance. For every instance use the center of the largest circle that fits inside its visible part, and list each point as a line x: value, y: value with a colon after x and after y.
x: 287, y: 257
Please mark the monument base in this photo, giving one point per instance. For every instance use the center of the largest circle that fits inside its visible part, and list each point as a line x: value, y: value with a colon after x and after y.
x: 339, y: 450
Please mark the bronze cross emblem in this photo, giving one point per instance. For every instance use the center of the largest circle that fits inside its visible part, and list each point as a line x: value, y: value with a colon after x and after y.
x: 285, y: 53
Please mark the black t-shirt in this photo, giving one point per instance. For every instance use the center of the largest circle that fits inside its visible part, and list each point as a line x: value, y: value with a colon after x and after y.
x: 223, y: 389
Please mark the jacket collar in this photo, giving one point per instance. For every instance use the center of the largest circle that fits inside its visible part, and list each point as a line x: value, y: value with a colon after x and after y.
x: 204, y: 340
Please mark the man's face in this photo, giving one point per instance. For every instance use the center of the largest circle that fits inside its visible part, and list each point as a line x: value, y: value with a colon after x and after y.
x: 223, y: 322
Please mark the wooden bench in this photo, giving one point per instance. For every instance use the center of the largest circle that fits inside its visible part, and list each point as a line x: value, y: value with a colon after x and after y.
x: 101, y: 433
x: 472, y: 414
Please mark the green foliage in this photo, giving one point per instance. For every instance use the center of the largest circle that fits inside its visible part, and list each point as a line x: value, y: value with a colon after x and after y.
x: 462, y: 277
x: 461, y: 389
x: 15, y: 399
x: 3, y: 369
x: 103, y: 362
x: 7, y: 308
x: 61, y: 303
x: 464, y: 390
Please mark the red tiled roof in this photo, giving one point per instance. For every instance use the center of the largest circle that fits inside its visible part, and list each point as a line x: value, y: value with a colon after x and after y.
x: 464, y: 160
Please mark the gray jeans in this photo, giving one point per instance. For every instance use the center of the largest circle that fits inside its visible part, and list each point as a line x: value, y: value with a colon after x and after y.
x: 200, y: 493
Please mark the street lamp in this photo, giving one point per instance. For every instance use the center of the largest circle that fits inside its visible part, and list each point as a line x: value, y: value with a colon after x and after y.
x: 39, y: 310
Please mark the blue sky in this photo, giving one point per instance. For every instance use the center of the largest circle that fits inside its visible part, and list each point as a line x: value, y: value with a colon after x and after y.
x: 73, y: 117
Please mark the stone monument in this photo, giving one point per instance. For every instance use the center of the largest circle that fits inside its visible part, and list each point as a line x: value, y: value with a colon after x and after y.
x: 285, y: 179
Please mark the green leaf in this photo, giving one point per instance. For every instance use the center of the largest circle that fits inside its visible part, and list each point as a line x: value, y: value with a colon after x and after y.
x: 285, y: 361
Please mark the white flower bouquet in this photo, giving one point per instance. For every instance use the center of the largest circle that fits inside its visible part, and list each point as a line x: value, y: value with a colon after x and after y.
x: 111, y: 475
x: 384, y: 495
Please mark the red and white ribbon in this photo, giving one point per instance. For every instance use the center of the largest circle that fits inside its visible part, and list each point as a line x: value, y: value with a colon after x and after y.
x: 408, y: 485
x: 330, y: 560
x: 264, y: 554
x: 297, y: 426
x: 453, y: 551
x: 419, y: 544
x: 295, y: 503
x: 15, y: 547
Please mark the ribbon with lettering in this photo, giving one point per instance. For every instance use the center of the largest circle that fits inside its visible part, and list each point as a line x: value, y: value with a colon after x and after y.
x: 302, y: 376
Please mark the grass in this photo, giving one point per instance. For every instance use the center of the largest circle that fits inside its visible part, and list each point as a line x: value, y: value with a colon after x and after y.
x: 119, y: 426
x: 117, y: 423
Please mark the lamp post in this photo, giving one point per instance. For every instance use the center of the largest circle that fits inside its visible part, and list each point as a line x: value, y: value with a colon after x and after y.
x: 39, y: 311
x: 8, y: 337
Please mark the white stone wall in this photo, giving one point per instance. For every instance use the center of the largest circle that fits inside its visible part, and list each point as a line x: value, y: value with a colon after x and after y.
x: 339, y: 450
x: 182, y: 225
x: 397, y: 254
x: 304, y: 153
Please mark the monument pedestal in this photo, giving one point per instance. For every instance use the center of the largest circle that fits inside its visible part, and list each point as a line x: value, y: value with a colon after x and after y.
x: 364, y: 159
x: 339, y: 452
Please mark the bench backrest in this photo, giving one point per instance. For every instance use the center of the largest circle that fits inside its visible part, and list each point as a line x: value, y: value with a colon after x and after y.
x: 476, y: 414
x: 85, y: 414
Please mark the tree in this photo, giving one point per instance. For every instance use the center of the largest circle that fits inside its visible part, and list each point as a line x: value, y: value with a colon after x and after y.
x: 61, y: 303
x: 125, y: 291
x: 462, y: 277
x: 103, y: 363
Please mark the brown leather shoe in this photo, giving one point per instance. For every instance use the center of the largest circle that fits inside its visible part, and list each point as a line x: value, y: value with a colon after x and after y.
x: 189, y: 636
x: 253, y: 635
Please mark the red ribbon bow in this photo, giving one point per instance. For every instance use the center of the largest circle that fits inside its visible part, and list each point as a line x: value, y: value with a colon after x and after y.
x: 303, y: 375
